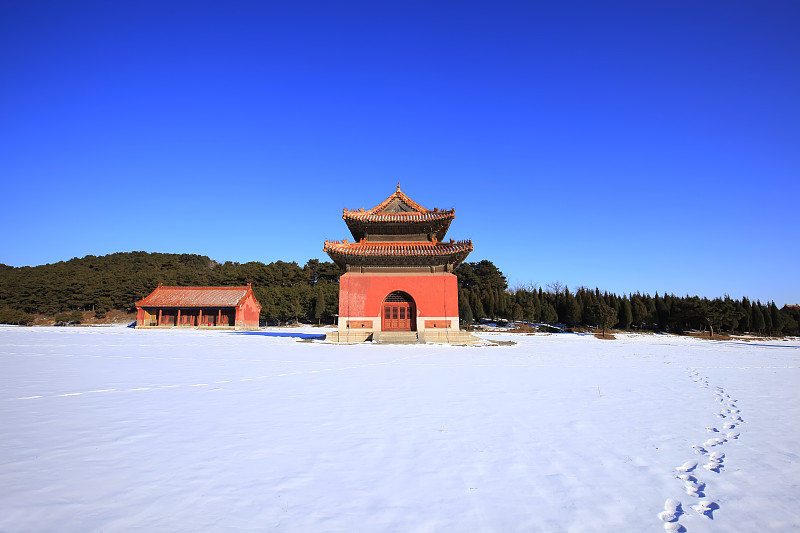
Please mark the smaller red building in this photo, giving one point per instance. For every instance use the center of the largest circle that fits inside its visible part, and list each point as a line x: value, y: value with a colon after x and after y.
x: 214, y: 307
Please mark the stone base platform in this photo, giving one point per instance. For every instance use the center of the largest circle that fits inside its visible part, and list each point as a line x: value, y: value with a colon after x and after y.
x: 406, y: 337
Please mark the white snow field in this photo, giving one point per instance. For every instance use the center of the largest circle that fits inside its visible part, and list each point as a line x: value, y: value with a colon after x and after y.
x: 114, y: 429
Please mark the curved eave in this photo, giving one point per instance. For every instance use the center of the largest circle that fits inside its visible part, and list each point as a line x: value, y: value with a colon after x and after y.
x: 360, y: 227
x: 407, y: 217
x: 424, y: 254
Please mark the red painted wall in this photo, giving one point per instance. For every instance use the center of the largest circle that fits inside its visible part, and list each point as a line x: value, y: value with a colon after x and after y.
x: 248, y: 311
x: 361, y: 295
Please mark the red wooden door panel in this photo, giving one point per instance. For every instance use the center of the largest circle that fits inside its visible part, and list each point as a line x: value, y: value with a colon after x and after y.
x: 397, y: 316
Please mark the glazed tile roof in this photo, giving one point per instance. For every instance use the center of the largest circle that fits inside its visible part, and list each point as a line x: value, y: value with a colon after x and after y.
x: 370, y: 216
x: 405, y: 249
x: 381, y: 212
x: 398, y: 232
x: 399, y: 195
x: 194, y: 297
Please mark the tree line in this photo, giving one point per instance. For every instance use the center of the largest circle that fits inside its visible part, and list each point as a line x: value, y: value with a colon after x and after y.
x: 116, y: 281
x: 288, y: 291
x: 484, y: 293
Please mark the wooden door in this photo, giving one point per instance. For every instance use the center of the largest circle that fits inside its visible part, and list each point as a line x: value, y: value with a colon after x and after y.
x: 397, y: 316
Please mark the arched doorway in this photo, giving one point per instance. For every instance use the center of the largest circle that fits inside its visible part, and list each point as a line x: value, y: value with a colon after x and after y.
x: 399, y: 312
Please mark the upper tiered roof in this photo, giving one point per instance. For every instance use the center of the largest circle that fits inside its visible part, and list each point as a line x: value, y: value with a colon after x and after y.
x: 398, y: 232
x: 398, y: 215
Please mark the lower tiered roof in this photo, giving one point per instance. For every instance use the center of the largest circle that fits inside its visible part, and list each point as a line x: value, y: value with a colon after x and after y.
x: 398, y: 253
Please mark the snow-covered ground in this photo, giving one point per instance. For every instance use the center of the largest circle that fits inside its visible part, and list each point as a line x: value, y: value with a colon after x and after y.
x: 113, y: 429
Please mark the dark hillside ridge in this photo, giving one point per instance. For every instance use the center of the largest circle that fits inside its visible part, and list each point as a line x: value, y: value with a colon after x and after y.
x: 117, y: 281
x: 288, y: 291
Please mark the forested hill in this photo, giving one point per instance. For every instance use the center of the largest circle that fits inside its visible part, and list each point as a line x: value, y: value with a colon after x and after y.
x: 118, y: 280
x: 311, y: 292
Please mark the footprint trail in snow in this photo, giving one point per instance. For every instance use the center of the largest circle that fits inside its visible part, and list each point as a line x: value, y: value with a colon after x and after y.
x: 672, y: 511
x: 712, y: 460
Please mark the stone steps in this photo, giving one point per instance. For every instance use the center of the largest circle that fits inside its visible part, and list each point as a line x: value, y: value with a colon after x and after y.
x: 396, y: 337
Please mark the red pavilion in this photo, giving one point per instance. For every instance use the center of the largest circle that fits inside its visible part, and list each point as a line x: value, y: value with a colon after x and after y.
x: 399, y: 284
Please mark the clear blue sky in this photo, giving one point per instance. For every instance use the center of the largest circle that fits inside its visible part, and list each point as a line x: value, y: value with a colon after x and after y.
x: 630, y: 146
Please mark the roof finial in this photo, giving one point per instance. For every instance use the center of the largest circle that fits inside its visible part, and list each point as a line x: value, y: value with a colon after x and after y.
x: 398, y: 185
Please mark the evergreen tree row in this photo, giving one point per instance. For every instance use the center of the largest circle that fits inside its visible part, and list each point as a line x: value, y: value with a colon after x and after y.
x: 117, y: 281
x: 484, y: 293
x: 311, y: 293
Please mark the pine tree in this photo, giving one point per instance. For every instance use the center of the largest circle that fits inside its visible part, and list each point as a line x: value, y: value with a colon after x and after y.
x: 767, y: 318
x: 516, y: 312
x: 651, y: 309
x: 489, y: 303
x: 602, y: 316
x: 625, y: 314
x: 568, y: 311
x: 794, y: 314
x: 777, y: 319
x: 532, y: 313
x: 758, y: 318
x: 587, y: 301
x: 639, y: 310
x: 608, y: 317
x: 319, y: 305
x: 577, y: 309
x: 661, y: 314
x: 549, y: 315
x: 745, y: 311
x: 502, y: 304
x: 476, y: 305
x: 464, y: 309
